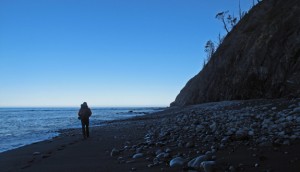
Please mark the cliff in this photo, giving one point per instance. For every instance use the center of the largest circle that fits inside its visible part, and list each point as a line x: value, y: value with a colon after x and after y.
x: 259, y: 58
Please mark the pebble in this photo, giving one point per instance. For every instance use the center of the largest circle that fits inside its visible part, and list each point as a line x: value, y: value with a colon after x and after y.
x: 208, y: 166
x: 129, y: 162
x: 216, y: 126
x: 177, y: 162
x: 231, y: 168
x: 296, y: 110
x: 196, y: 162
x: 138, y: 155
x: 115, y: 152
x: 190, y: 145
x: 36, y: 153
x: 168, y: 150
x: 139, y: 150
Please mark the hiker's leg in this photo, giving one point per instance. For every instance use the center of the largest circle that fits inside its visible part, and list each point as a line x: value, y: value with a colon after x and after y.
x: 87, y: 129
x: 83, y: 128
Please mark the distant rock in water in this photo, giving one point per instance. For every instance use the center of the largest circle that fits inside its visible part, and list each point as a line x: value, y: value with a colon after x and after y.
x: 259, y: 58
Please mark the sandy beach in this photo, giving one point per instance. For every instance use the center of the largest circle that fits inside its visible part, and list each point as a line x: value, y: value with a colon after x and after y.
x: 112, y: 147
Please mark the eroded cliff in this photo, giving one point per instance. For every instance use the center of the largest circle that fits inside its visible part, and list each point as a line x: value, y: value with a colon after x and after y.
x: 259, y: 58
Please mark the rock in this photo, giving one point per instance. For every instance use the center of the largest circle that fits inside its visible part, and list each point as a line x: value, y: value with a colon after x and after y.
x: 208, y: 166
x: 251, y: 133
x: 292, y: 106
x: 150, y: 165
x: 231, y: 168
x: 130, y: 161
x: 115, y: 152
x: 199, y: 128
x: 36, y: 153
x: 281, y: 134
x: 290, y: 118
x: 159, y: 151
x: 196, y: 162
x: 241, y: 135
x: 139, y: 150
x: 274, y: 108
x: 168, y: 150
x: 189, y: 145
x: 213, y: 127
x: 209, y: 154
x: 225, y: 140
x: 286, y: 142
x: 296, y: 110
x: 138, y: 155
x: 162, y: 155
x: 177, y: 162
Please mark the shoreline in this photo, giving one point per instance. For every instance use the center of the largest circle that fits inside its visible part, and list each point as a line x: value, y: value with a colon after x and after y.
x: 149, y: 134
x: 43, y: 135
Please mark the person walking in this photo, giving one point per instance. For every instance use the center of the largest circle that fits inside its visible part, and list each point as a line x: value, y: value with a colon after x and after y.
x: 84, y: 115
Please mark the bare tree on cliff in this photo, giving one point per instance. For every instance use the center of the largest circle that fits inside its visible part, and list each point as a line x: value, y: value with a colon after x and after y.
x: 228, y: 20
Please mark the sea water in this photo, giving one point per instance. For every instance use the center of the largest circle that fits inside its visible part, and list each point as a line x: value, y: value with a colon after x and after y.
x: 23, y: 126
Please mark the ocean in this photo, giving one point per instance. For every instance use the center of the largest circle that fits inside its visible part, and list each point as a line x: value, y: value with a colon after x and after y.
x: 23, y: 126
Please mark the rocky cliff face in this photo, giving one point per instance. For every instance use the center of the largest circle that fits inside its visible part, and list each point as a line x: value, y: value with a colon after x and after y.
x: 259, y: 58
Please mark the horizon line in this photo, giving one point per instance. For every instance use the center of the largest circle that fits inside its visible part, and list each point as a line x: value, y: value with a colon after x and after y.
x: 96, y: 106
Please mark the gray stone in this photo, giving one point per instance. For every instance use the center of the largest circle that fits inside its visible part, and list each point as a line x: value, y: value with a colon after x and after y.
x: 296, y: 110
x: 213, y: 127
x: 189, y: 145
x: 139, y: 150
x: 162, y: 155
x: 231, y: 168
x: 168, y: 150
x: 177, y: 162
x: 251, y: 133
x: 274, y: 108
x: 138, y: 155
x: 199, y: 128
x: 208, y: 166
x: 36, y: 153
x: 225, y: 140
x: 196, y: 162
x: 115, y: 152
x: 286, y: 142
x: 158, y: 152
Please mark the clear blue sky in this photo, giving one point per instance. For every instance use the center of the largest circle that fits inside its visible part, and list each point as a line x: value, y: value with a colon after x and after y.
x: 105, y: 52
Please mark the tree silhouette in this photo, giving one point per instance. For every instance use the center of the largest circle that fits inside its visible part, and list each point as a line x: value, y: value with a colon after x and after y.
x: 209, y: 49
x: 229, y: 21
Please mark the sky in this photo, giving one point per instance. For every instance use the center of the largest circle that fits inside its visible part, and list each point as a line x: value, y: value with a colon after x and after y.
x: 109, y: 53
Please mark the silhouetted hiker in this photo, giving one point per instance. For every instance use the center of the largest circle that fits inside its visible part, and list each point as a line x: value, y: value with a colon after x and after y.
x: 84, y: 114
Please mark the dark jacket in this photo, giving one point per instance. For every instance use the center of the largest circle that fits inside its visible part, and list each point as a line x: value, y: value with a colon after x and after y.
x: 84, y: 112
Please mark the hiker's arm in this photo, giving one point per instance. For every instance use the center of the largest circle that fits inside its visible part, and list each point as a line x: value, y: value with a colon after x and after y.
x: 90, y: 112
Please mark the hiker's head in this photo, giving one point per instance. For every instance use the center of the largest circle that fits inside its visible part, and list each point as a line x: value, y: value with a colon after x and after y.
x: 84, y: 104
